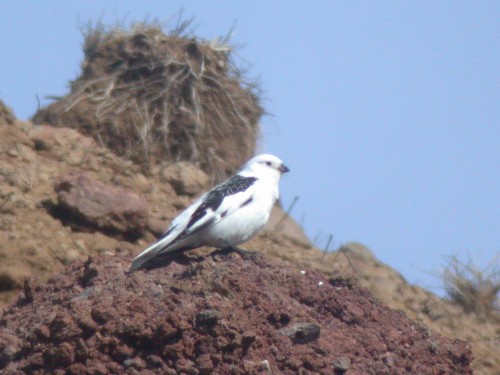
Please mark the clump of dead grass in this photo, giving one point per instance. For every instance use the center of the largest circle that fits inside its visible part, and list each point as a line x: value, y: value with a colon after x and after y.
x: 156, y: 97
x: 473, y: 288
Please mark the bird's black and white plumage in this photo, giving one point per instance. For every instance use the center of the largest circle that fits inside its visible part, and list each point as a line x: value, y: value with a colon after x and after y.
x: 228, y: 215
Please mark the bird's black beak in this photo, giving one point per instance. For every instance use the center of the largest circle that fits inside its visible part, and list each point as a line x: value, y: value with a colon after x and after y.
x: 283, y: 168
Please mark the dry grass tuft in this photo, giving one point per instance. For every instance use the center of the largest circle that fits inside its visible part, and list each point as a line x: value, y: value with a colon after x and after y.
x: 154, y: 97
x: 475, y: 289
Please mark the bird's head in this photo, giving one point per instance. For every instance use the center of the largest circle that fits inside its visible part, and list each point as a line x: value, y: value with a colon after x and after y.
x: 265, y: 165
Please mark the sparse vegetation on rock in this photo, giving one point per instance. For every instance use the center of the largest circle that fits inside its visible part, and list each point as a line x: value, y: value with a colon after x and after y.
x: 475, y: 289
x: 152, y: 97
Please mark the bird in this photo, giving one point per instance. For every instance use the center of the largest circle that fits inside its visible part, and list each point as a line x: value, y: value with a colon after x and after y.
x: 229, y: 214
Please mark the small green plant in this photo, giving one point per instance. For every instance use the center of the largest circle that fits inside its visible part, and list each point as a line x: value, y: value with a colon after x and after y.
x: 473, y: 288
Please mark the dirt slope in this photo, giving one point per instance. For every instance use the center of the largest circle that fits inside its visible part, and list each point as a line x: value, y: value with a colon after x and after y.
x: 389, y: 286
x: 34, y: 241
x: 219, y: 314
x: 65, y: 195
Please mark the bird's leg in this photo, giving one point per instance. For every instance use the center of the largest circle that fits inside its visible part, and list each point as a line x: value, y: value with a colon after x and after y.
x: 243, y: 253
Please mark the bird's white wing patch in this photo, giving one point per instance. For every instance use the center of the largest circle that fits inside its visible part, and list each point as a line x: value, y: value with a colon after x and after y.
x: 234, y: 202
x: 209, y: 218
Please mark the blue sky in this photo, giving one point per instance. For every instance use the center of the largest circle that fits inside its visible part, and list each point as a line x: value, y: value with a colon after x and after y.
x: 388, y: 113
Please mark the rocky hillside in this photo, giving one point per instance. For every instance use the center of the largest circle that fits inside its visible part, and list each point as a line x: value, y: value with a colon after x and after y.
x: 67, y: 194
x: 219, y: 313
x: 65, y: 198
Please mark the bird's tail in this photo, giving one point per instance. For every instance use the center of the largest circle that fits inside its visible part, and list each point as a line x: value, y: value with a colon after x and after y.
x: 158, y: 248
x: 144, y: 257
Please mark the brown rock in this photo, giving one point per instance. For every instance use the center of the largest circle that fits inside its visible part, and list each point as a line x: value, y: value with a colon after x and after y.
x: 205, y: 364
x: 253, y: 367
x: 10, y: 345
x: 342, y: 364
x: 60, y: 356
x: 88, y: 204
x: 59, y: 141
x: 63, y: 328
x: 185, y: 178
x: 207, y: 317
x: 302, y: 333
x: 137, y: 363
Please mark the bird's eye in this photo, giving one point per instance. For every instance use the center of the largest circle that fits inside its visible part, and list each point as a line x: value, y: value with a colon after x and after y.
x: 268, y: 163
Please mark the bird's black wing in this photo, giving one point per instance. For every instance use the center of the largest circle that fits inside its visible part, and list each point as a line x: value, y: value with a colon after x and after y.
x: 213, y: 200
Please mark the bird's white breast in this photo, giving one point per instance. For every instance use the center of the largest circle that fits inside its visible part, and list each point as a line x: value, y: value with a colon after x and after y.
x: 247, y: 221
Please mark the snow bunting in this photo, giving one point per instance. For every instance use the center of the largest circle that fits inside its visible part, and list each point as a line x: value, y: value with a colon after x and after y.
x: 226, y: 216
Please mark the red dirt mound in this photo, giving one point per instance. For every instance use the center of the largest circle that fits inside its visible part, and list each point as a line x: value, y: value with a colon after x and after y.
x: 220, y: 314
